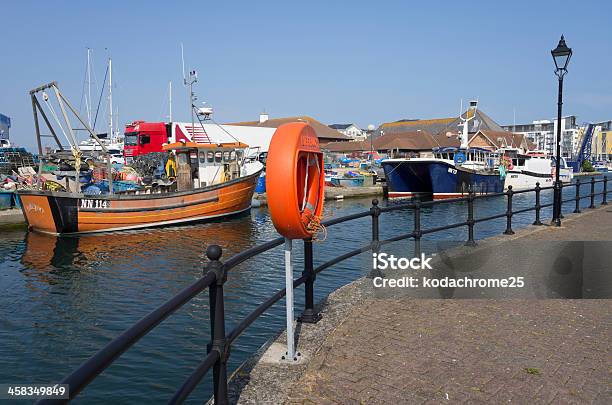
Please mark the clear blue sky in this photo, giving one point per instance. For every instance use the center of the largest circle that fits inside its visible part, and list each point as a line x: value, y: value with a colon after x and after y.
x: 350, y: 61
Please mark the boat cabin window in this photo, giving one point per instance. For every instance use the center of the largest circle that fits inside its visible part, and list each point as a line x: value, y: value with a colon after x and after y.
x: 233, y: 156
x: 210, y: 156
x: 202, y: 157
x: 182, y: 158
x: 239, y: 154
x: 451, y: 156
x: 145, y: 139
x: 226, y: 156
x: 218, y: 157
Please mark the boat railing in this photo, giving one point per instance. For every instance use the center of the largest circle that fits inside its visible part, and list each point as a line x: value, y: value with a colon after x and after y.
x: 215, y: 275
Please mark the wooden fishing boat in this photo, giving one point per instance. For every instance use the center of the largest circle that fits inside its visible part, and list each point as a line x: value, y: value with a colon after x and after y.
x: 212, y: 181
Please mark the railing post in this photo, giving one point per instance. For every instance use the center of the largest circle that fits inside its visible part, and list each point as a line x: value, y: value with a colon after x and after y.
x: 561, y: 200
x: 375, y: 213
x: 309, y: 315
x: 604, y: 200
x: 592, y: 193
x: 556, y: 220
x: 577, y: 209
x: 470, y: 218
x: 217, y: 323
x: 417, y: 226
x: 537, y: 204
x: 509, y: 230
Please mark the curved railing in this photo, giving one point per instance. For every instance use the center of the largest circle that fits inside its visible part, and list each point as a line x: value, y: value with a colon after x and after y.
x: 215, y: 276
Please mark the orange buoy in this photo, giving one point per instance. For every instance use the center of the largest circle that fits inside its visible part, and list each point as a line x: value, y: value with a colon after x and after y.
x: 295, y: 180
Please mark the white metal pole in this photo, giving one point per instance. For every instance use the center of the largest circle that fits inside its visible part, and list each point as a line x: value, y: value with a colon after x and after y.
x: 88, y: 101
x: 289, y: 296
x: 170, y: 99
x: 110, y: 98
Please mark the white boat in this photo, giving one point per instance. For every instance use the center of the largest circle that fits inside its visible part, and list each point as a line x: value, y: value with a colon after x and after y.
x: 525, y: 170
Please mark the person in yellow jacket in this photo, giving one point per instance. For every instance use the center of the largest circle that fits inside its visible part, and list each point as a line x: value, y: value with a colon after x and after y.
x: 171, y: 167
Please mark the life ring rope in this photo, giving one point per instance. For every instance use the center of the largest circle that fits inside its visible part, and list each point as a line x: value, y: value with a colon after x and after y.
x: 310, y: 201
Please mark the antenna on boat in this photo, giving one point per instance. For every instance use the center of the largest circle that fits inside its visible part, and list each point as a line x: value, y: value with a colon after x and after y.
x: 189, y: 82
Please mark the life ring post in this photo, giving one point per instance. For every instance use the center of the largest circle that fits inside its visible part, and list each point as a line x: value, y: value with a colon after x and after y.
x: 290, y: 355
x: 295, y: 185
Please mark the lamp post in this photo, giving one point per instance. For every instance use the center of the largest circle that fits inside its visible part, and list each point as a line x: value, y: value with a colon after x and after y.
x: 561, y: 55
x: 371, y: 128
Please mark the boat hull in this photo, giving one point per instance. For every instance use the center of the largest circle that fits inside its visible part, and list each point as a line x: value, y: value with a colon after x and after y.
x: 437, y: 179
x: 70, y: 213
x: 524, y: 179
x: 347, y: 181
x: 451, y: 181
x: 407, y: 179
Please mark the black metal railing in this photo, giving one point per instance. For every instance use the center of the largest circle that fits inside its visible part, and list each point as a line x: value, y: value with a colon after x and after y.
x: 215, y: 276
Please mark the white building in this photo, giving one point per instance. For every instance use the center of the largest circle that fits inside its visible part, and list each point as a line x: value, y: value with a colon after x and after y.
x: 543, y: 134
x: 5, y: 125
x: 350, y: 130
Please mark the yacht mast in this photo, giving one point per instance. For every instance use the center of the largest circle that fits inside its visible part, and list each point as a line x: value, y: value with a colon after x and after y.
x: 170, y: 100
x: 88, y: 100
x: 110, y: 99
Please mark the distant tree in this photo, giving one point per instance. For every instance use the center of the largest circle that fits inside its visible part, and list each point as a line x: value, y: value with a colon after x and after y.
x: 587, y: 166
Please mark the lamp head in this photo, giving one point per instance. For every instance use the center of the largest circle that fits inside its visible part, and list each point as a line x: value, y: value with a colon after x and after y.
x: 561, y: 55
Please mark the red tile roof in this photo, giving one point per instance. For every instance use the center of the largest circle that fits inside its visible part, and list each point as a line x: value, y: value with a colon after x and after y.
x: 322, y: 130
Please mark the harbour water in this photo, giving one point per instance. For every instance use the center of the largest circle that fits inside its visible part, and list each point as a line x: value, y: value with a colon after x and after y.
x: 62, y: 299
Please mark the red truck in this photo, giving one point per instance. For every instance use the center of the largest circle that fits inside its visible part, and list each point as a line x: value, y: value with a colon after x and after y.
x: 143, y: 137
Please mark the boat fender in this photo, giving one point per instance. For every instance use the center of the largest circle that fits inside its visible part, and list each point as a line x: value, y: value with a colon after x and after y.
x: 295, y: 181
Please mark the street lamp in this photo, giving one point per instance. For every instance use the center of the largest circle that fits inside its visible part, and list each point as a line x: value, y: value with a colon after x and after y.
x: 371, y: 128
x: 561, y: 55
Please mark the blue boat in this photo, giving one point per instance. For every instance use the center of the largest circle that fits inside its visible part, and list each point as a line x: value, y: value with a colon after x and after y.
x: 601, y: 167
x: 348, y: 181
x: 448, y: 174
x: 261, y: 183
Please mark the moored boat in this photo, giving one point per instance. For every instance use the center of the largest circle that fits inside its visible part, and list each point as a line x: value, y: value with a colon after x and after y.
x: 525, y: 170
x: 347, y: 180
x: 212, y: 181
x: 449, y: 174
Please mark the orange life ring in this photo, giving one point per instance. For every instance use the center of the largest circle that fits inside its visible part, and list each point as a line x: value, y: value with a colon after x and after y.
x: 295, y: 180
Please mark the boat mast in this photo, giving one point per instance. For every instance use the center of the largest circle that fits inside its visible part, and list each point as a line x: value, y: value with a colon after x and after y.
x: 193, y: 77
x: 110, y: 99
x: 465, y: 121
x: 88, y: 100
x: 170, y: 100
